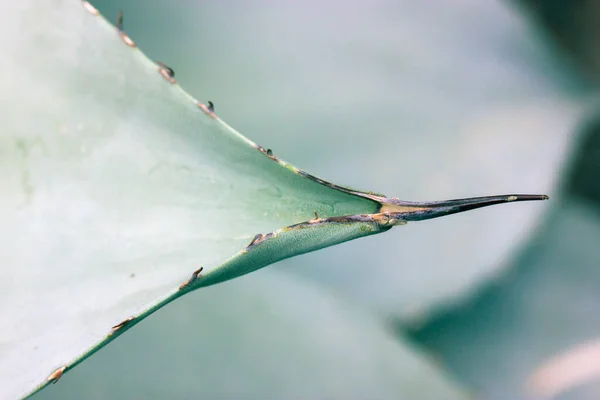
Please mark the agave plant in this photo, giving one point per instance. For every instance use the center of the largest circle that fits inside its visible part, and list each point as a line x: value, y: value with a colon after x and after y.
x: 121, y: 193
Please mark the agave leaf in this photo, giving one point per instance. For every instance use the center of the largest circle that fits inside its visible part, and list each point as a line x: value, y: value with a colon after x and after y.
x: 118, y: 187
x: 421, y: 99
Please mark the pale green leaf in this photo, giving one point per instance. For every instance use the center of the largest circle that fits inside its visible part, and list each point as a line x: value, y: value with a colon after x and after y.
x: 117, y: 186
x: 420, y: 99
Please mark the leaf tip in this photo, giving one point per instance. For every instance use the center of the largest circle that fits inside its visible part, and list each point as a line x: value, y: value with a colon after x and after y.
x: 527, y: 197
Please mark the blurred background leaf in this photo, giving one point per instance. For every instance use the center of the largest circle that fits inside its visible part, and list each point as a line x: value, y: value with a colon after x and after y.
x: 544, y: 305
x: 262, y: 336
x: 573, y: 31
x: 531, y: 333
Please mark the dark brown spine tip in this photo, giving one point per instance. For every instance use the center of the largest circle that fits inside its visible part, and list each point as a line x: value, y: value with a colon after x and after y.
x: 195, y: 275
x: 168, y: 70
x: 121, y: 324
x: 208, y: 109
x: 120, y: 20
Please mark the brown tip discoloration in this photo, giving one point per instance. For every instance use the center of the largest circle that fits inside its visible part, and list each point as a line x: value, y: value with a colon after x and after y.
x: 90, y: 8
x: 166, y: 72
x: 195, y: 275
x: 208, y: 110
x: 57, y: 374
x: 121, y: 324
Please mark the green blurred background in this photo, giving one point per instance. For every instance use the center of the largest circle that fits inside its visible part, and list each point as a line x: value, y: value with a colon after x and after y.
x: 424, y: 100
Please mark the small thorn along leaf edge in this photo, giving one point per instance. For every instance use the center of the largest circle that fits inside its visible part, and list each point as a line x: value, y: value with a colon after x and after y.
x: 56, y: 375
x: 166, y: 72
